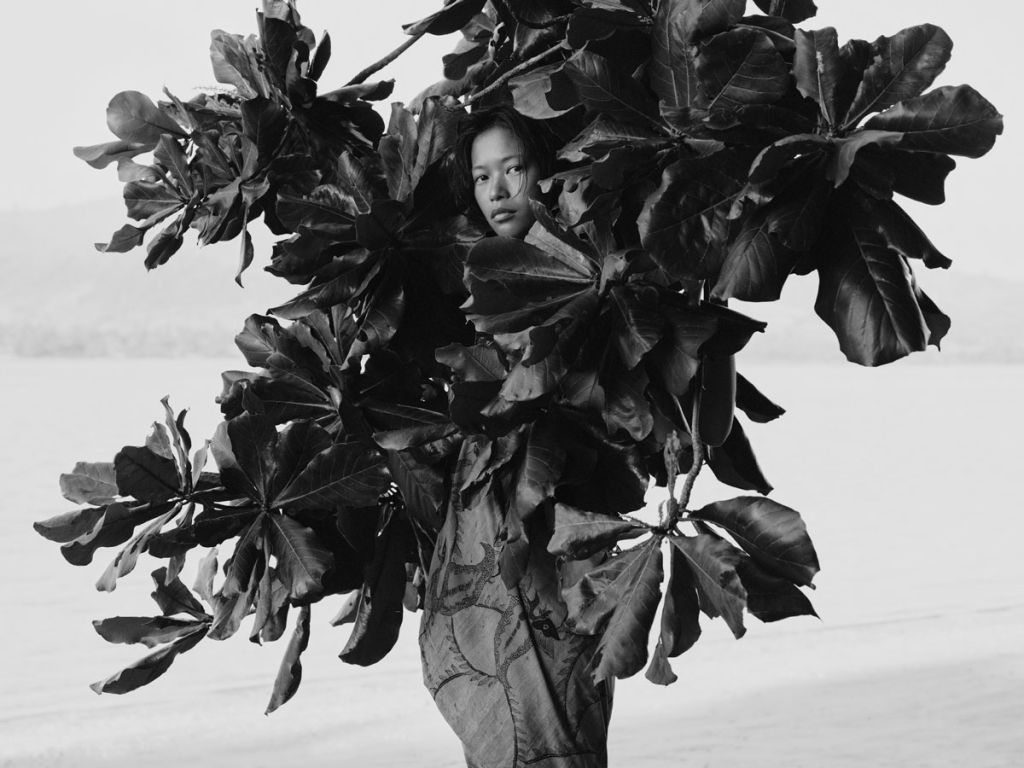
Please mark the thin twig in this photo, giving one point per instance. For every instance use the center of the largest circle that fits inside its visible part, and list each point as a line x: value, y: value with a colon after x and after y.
x: 379, y: 65
x: 698, y: 460
x: 513, y: 72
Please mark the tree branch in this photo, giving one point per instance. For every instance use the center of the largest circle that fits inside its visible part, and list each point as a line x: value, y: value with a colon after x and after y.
x: 513, y: 72
x: 379, y: 65
x: 698, y: 461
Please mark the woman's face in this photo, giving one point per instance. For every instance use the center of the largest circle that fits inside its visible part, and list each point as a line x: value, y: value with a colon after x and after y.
x: 503, y: 179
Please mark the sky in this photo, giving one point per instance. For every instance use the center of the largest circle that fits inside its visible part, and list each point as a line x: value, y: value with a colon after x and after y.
x: 68, y: 59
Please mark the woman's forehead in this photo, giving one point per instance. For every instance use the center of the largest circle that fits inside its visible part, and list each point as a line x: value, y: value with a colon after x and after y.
x: 495, y: 145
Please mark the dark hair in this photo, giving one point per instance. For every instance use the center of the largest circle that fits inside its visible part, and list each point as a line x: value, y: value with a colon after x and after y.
x: 536, y: 142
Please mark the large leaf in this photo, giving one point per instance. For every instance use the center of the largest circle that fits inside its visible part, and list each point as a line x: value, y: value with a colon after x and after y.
x: 350, y: 474
x: 773, y: 534
x: 954, y: 120
x: 90, y: 483
x: 514, y: 285
x: 302, y: 560
x: 684, y: 222
x: 452, y: 17
x: 173, y: 597
x: 68, y: 526
x: 713, y: 562
x: 793, y: 10
x: 816, y: 68
x: 741, y: 68
x: 866, y: 296
x: 145, y: 475
x: 253, y: 439
x: 149, y: 668
x: 151, y: 631
x: 734, y: 463
x: 904, y: 66
x: 769, y: 597
x: 622, y: 649
x: 605, y: 90
x: 379, y: 612
x: 289, y: 675
x: 579, y: 534
x: 680, y: 613
x: 132, y: 116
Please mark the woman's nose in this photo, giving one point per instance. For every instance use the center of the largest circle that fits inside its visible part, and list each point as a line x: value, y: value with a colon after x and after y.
x: 498, y: 189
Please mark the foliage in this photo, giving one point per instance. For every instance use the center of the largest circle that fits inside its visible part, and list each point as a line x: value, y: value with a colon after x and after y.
x: 705, y: 155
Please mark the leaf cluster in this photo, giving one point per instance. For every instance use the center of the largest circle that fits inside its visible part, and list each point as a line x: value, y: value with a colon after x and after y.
x: 705, y: 154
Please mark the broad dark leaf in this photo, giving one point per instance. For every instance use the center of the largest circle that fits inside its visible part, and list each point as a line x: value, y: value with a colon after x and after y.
x: 605, y: 90
x: 173, y: 597
x: 904, y: 66
x: 253, y: 441
x: 149, y: 201
x: 659, y: 671
x: 638, y: 327
x: 298, y: 443
x: 289, y: 675
x: 953, y: 120
x: 379, y: 612
x: 793, y: 10
x: 477, y: 363
x: 132, y: 116
x: 149, y: 668
x: 740, y: 68
x: 622, y: 649
x: 151, y: 631
x: 145, y: 475
x: 302, y: 560
x: 677, y: 356
x: 680, y: 613
x: 422, y: 488
x: 544, y: 92
x: 713, y: 563
x: 773, y: 534
x: 769, y: 597
x: 593, y: 599
x: 89, y: 483
x: 578, y: 534
x: 514, y: 285
x: 866, y: 296
x: 756, y: 406
x: 684, y: 222
x: 816, y: 69
x: 350, y: 474
x: 903, y: 235
x: 920, y: 176
x: 248, y: 560
x: 757, y: 263
x: 734, y: 462
x: 451, y: 18
x: 68, y: 526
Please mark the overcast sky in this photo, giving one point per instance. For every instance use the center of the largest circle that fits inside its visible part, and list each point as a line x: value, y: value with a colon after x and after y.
x: 63, y: 61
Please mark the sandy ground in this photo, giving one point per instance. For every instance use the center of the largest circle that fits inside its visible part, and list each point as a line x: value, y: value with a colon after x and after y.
x: 908, y: 478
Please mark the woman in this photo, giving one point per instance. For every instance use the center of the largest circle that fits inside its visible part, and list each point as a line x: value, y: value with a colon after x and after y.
x: 512, y: 681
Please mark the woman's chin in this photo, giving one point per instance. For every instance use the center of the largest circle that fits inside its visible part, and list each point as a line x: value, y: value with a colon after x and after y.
x: 511, y: 228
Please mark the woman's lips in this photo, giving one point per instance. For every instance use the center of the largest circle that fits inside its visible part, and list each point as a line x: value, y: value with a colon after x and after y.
x: 502, y: 214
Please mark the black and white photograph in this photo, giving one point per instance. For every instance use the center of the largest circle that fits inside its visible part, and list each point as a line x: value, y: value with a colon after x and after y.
x: 511, y: 384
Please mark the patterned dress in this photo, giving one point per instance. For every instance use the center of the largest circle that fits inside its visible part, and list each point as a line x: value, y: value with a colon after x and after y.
x: 513, y: 683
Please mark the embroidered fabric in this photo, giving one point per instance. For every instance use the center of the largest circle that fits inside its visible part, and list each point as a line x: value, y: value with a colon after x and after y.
x: 511, y: 680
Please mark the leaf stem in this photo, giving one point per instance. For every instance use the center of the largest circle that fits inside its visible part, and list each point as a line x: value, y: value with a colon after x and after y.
x: 698, y: 460
x: 514, y: 71
x: 380, y: 64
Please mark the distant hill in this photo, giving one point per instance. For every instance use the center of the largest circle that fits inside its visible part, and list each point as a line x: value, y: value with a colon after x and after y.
x: 59, y: 296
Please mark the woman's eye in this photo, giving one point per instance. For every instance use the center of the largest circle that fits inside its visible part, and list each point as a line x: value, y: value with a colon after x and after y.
x: 515, y: 169
x: 478, y: 179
